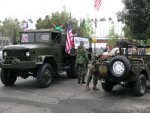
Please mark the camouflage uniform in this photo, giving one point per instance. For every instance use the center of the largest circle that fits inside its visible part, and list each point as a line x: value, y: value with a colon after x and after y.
x: 92, y: 72
x: 81, y: 61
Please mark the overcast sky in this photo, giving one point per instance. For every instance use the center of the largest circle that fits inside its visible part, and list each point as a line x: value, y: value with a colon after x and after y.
x: 34, y: 9
x: 24, y: 9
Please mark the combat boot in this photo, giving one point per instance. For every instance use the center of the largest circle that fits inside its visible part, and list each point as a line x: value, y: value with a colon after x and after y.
x: 78, y: 81
x: 83, y: 82
x: 95, y: 88
x: 87, y: 87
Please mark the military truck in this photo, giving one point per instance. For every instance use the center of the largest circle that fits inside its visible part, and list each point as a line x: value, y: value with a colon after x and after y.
x: 41, y: 54
x: 130, y: 68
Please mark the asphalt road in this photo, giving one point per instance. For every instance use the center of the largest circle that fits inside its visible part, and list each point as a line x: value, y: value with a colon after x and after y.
x: 66, y: 96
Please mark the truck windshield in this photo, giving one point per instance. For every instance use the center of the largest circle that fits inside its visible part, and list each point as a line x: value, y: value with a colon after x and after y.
x: 34, y: 37
x: 27, y: 37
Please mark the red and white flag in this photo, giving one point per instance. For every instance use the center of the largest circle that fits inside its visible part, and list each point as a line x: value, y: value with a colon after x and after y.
x: 24, y: 38
x: 69, y: 39
x: 97, y: 4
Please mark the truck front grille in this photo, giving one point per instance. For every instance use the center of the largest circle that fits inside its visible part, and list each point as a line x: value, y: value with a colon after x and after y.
x: 20, y: 54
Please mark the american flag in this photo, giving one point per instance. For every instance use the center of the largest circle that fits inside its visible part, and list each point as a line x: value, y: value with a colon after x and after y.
x: 69, y: 39
x: 24, y: 38
x: 97, y: 4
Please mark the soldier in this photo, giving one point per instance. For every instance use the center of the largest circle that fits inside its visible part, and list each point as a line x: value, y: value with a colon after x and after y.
x: 59, y: 28
x: 92, y: 72
x: 81, y: 61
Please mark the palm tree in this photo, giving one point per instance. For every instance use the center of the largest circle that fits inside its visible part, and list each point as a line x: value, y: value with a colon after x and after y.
x: 119, y: 25
x: 110, y: 19
x: 31, y: 21
x: 102, y: 20
x: 22, y: 24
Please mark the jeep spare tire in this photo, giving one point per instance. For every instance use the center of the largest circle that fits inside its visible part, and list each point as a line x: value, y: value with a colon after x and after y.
x: 119, y: 67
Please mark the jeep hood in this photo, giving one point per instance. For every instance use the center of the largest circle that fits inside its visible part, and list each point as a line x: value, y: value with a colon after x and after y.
x: 25, y: 46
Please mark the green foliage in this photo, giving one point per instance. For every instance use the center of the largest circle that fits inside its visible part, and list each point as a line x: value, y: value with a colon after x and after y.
x: 84, y: 30
x: 136, y: 16
x: 10, y: 28
x: 127, y: 33
x: 148, y: 42
x: 53, y: 20
x: 113, y: 37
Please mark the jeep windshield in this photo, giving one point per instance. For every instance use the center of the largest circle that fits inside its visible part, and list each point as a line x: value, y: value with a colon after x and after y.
x: 34, y: 37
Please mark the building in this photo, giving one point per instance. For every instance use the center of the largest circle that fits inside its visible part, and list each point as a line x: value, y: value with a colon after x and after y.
x: 4, y: 41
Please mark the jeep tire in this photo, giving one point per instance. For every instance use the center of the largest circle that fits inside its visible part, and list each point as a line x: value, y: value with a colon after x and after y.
x: 8, y: 77
x: 119, y: 67
x: 139, y: 87
x: 44, y: 75
x: 107, y: 86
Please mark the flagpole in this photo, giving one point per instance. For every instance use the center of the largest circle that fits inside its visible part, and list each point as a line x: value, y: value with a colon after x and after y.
x: 97, y: 4
x: 95, y: 23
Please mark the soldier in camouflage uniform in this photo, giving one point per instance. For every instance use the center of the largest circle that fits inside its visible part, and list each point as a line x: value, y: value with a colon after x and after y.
x: 81, y: 61
x: 92, y: 72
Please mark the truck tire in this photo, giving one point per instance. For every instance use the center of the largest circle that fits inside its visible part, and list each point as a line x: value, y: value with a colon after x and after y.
x: 44, y: 75
x: 107, y: 86
x: 139, y: 87
x: 71, y: 71
x: 8, y: 77
x: 119, y: 67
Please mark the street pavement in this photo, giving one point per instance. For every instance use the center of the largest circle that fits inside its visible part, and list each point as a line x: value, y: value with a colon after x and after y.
x: 66, y: 96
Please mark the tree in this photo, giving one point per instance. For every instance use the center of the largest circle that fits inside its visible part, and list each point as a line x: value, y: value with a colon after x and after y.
x: 57, y: 18
x: 0, y: 27
x: 148, y: 42
x: 102, y: 20
x: 135, y: 15
x: 22, y: 24
x: 53, y: 20
x: 127, y: 33
x: 113, y: 37
x: 39, y: 24
x: 10, y: 28
x: 110, y: 19
x: 30, y: 20
x: 85, y: 29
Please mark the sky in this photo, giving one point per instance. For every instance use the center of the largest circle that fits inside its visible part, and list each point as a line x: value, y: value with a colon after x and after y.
x: 34, y: 9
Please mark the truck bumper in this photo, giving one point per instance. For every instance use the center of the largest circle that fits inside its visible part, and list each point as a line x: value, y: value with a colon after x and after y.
x: 20, y: 65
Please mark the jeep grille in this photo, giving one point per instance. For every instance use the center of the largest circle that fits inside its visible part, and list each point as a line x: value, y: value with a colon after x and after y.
x: 20, y: 54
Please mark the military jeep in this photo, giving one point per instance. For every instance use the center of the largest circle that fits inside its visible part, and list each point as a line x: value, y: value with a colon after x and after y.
x: 41, y: 54
x: 129, y: 67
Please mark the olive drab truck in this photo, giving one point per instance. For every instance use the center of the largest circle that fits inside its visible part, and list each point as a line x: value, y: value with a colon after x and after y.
x: 41, y: 54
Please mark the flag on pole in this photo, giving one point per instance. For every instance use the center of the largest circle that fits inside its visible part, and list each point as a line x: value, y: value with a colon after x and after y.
x: 69, y: 39
x: 97, y: 4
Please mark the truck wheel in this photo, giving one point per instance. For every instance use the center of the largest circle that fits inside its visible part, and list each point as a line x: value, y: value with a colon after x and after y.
x: 120, y: 67
x: 8, y: 77
x: 139, y: 87
x: 71, y: 72
x: 107, y: 86
x: 44, y: 75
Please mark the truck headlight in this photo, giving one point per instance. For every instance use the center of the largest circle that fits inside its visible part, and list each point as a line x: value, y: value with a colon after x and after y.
x: 27, y: 53
x: 5, y: 53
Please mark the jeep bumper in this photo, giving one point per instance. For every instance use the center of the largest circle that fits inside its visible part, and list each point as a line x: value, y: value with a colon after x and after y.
x: 20, y: 65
